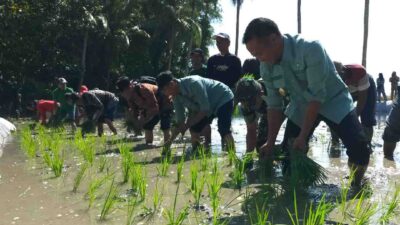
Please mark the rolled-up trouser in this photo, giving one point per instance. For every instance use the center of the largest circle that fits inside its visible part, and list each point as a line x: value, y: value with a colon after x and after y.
x: 349, y: 131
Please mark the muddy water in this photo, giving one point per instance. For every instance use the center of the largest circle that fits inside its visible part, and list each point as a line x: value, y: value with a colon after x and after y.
x: 31, y: 195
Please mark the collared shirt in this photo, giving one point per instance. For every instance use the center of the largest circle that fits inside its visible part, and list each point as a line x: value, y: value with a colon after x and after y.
x: 307, y: 73
x: 59, y: 96
x: 98, y: 99
x: 198, y: 94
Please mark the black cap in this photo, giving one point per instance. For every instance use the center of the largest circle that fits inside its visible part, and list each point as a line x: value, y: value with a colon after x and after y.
x: 197, y: 51
x: 123, y: 83
x: 163, y: 79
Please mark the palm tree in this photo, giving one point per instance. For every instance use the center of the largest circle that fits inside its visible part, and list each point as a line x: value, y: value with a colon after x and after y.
x: 299, y: 16
x: 238, y: 4
x: 365, y: 42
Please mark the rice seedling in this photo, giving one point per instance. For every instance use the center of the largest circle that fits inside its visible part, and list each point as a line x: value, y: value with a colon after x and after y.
x: 138, y: 181
x: 194, y: 172
x: 204, y: 158
x: 214, y: 187
x: 28, y: 142
x: 311, y: 216
x: 56, y: 160
x: 231, y: 157
x: 239, y: 171
x: 157, y: 200
x: 179, y: 169
x: 79, y: 176
x: 169, y: 214
x: 109, y: 201
x: 103, y: 161
x: 94, y: 185
x: 126, y: 160
x: 89, y: 149
x: 164, y: 166
x: 304, y: 172
x: 390, y: 209
x: 131, y: 205
x: 261, y: 216
x: 344, y: 191
x: 363, y: 211
x: 198, y: 190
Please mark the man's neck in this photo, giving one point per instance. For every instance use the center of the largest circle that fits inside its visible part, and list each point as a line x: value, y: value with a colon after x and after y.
x: 224, y: 53
x: 197, y: 66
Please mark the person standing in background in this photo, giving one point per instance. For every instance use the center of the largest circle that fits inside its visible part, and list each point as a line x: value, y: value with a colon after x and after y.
x: 197, y: 61
x: 224, y: 67
x: 380, y: 87
x: 251, y: 66
x: 394, y: 80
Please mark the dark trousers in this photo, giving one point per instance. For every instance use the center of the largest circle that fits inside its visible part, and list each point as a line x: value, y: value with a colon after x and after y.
x: 349, y: 131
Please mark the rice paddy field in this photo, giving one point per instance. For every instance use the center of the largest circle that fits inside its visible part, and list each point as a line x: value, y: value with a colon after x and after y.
x: 57, y: 177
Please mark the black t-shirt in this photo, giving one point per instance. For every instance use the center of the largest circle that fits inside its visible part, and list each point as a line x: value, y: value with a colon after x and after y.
x: 226, y: 69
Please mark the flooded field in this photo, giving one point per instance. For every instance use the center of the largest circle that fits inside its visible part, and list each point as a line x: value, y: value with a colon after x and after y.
x: 119, y: 180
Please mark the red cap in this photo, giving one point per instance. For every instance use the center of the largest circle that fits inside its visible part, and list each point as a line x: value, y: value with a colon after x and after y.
x: 83, y: 89
x: 354, y: 72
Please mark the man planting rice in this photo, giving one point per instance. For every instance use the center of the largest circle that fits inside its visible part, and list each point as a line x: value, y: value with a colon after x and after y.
x: 204, y: 99
x: 317, y: 93
x: 251, y: 95
x: 100, y: 107
x: 148, y: 107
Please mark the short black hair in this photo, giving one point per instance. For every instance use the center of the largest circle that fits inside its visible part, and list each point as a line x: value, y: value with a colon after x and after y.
x: 164, y: 78
x: 72, y: 96
x: 123, y: 83
x: 260, y: 27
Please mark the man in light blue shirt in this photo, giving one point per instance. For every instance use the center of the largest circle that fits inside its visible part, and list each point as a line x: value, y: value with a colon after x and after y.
x: 304, y: 70
x: 204, y: 99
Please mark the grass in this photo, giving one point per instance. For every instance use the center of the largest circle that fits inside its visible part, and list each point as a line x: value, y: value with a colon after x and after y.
x: 79, y: 177
x: 28, y: 144
x: 126, y: 160
x: 304, y: 172
x: 391, y: 207
x: 109, y: 201
x: 312, y: 216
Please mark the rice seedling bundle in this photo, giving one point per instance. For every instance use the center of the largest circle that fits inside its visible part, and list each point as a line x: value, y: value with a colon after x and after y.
x: 179, y: 169
x: 304, y: 172
x: 138, y: 181
x: 261, y: 217
x: 391, y: 207
x: 239, y: 171
x: 94, y: 185
x: 164, y: 166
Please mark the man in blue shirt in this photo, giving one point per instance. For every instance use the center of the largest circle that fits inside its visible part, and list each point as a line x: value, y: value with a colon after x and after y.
x: 304, y: 70
x: 224, y: 67
x: 204, y: 99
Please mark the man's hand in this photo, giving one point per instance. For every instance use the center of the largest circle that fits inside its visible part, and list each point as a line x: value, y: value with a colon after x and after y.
x: 266, y: 151
x: 300, y: 143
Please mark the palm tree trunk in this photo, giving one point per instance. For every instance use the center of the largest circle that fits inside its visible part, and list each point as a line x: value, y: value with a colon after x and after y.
x: 238, y: 5
x: 299, y: 16
x: 83, y: 59
x: 190, y: 45
x: 365, y: 42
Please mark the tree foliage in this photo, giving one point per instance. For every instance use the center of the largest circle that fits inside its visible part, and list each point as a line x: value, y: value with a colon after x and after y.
x: 42, y: 40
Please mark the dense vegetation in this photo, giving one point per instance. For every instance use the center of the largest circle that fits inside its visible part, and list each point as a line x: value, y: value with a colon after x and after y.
x: 94, y: 41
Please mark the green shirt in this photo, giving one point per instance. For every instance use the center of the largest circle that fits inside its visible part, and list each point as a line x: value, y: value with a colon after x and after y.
x: 198, y: 94
x: 201, y: 71
x: 307, y: 73
x: 59, y: 96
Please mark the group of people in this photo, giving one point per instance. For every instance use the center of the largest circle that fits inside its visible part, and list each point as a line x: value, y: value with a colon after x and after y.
x: 380, y: 81
x: 300, y: 83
